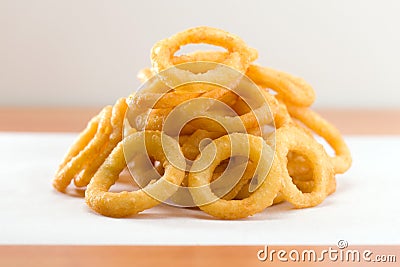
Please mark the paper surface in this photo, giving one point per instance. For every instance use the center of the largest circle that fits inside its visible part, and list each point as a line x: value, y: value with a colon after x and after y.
x: 364, y: 210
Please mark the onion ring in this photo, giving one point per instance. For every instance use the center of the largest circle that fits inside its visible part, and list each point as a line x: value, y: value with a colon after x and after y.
x: 240, y: 56
x: 300, y: 169
x: 76, y: 163
x: 256, y: 202
x: 163, y: 51
x: 342, y: 159
x: 117, y: 117
x: 292, y: 138
x: 92, y: 147
x: 125, y: 204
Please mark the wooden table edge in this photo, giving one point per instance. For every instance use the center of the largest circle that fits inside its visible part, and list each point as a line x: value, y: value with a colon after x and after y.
x: 348, y: 121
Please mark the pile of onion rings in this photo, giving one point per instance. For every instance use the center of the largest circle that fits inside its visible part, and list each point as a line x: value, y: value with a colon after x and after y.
x: 208, y: 129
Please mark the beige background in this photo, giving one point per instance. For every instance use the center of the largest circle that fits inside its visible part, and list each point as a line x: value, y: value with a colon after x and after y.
x: 79, y: 53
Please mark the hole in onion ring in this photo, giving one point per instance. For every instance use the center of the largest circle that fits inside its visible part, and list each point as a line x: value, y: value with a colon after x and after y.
x: 195, y: 48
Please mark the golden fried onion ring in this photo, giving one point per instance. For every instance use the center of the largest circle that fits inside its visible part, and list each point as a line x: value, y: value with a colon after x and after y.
x: 163, y: 51
x: 117, y: 119
x: 129, y: 203
x: 258, y: 151
x: 239, y: 57
x: 92, y: 147
x: 293, y: 138
x: 342, y: 160
x: 84, y: 150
